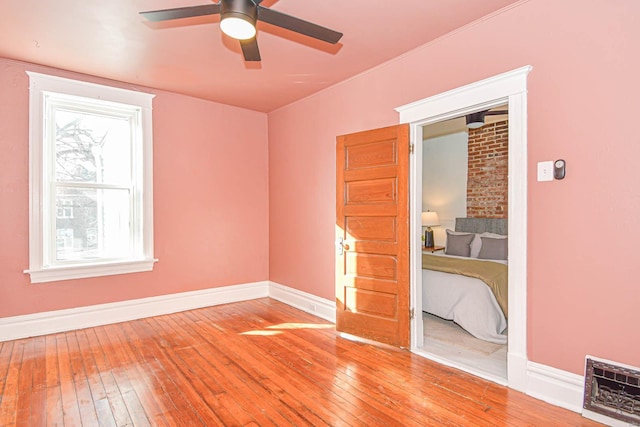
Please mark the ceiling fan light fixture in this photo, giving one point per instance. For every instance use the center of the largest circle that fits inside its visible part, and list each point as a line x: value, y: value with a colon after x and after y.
x: 475, y: 120
x: 238, y: 27
x: 238, y: 19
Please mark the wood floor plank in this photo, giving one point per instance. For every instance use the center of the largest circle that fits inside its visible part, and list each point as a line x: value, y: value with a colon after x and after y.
x: 9, y: 403
x: 253, y: 363
x: 88, y: 415
x: 52, y: 372
x: 6, y: 349
x: 53, y: 412
x: 38, y: 412
x: 25, y: 382
x: 106, y: 416
x: 55, y: 417
x: 68, y: 396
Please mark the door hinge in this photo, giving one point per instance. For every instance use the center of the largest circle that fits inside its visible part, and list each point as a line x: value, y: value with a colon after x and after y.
x: 412, y: 313
x: 411, y: 148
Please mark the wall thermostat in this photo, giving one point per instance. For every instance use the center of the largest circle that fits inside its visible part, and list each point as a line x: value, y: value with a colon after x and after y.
x: 559, y: 169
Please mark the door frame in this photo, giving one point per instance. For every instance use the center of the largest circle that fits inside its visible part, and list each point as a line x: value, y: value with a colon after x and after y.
x: 510, y: 88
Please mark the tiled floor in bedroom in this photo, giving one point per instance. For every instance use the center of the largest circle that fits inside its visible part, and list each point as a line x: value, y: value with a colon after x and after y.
x: 449, y: 341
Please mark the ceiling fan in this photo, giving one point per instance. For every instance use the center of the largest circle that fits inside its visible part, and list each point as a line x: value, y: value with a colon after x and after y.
x: 238, y: 20
x: 476, y: 120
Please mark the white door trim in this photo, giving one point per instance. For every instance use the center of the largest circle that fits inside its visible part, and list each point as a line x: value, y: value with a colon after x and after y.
x: 511, y: 88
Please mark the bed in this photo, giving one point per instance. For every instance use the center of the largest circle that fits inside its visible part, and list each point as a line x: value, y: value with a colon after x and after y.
x: 468, y: 283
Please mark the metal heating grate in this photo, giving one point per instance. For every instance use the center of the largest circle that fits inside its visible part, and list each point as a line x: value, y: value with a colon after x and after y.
x: 613, y: 391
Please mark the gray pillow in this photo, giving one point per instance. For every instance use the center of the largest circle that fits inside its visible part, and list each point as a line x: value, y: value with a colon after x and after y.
x: 459, y: 244
x: 493, y: 248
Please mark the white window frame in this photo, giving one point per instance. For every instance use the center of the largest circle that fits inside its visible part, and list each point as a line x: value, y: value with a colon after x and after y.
x: 143, y: 260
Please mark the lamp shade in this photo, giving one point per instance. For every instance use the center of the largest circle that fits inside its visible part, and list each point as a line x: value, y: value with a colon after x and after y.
x: 430, y: 219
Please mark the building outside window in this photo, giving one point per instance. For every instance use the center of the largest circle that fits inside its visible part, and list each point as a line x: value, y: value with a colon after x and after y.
x: 91, y: 180
x: 64, y: 209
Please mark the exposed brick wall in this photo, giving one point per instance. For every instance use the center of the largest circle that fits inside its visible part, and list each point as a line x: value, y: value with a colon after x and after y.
x: 487, y: 181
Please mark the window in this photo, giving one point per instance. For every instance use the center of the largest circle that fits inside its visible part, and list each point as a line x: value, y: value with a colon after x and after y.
x: 90, y: 180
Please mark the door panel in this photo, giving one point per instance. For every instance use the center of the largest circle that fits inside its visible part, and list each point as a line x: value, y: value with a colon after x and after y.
x: 372, y: 228
x: 372, y: 221
x: 371, y: 191
x: 371, y: 266
x: 375, y: 154
x: 386, y: 286
x: 374, y: 303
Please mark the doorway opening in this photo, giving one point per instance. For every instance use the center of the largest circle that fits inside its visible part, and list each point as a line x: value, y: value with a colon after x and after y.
x: 504, y: 89
x: 464, y: 186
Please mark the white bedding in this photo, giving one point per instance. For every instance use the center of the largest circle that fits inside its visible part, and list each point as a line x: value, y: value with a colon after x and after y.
x: 467, y: 301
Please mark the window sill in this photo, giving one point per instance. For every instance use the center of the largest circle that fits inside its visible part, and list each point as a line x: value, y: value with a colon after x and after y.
x: 94, y: 270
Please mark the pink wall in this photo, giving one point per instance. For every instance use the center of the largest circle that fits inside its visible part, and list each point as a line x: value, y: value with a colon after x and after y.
x: 583, y: 292
x: 210, y: 196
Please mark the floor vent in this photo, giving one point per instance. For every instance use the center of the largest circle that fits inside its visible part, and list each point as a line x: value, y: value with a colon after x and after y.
x: 611, y: 390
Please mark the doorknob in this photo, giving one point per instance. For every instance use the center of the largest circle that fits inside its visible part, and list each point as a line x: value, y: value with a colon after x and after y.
x: 341, y: 245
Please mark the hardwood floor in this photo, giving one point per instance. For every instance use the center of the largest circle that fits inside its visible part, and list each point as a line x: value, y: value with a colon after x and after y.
x: 254, y: 363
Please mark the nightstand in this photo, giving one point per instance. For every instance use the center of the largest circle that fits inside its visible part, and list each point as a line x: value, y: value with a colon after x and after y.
x: 432, y: 249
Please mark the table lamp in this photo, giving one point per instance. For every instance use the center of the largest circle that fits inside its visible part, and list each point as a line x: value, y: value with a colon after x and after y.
x: 429, y: 219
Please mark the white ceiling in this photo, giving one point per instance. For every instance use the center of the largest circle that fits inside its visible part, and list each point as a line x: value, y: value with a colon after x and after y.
x: 108, y: 38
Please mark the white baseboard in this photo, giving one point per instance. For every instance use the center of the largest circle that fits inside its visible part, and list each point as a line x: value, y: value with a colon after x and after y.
x: 321, y: 307
x: 555, y: 386
x: 50, y: 322
x: 517, y: 371
x: 603, y: 419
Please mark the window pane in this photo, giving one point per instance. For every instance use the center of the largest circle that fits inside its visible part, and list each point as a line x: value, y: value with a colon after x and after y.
x: 92, y: 148
x: 92, y: 223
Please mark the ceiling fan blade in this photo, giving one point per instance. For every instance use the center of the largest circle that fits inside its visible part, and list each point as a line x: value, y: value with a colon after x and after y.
x: 496, y: 113
x: 298, y: 25
x: 250, y: 49
x: 182, y: 12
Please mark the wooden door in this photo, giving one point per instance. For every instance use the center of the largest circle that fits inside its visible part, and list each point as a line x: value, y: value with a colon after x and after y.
x: 372, y: 235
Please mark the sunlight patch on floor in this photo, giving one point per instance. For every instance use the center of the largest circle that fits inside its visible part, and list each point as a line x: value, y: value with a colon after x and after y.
x: 280, y: 328
x: 301, y: 326
x: 261, y: 333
